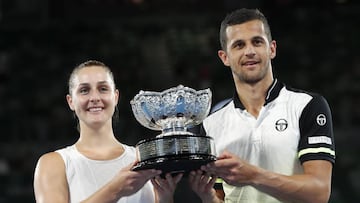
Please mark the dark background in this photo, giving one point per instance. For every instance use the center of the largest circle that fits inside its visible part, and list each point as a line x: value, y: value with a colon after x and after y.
x: 155, y: 45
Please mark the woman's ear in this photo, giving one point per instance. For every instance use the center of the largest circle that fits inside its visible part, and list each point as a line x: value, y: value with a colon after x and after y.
x: 70, y: 102
x: 117, y: 96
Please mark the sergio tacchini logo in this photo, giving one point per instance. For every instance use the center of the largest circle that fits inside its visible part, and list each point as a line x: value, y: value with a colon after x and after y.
x: 281, y: 125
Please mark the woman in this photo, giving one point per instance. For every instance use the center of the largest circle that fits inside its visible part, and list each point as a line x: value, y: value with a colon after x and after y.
x: 97, y: 168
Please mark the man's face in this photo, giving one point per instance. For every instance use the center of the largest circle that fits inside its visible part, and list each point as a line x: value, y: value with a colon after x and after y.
x: 248, y: 51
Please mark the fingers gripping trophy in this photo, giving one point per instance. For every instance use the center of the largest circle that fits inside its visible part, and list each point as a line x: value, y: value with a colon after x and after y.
x: 173, y: 112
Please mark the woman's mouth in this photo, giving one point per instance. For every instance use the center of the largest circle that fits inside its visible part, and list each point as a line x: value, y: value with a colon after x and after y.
x: 95, y: 109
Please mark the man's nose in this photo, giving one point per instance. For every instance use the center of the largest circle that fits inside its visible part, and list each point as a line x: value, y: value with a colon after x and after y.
x: 250, y: 50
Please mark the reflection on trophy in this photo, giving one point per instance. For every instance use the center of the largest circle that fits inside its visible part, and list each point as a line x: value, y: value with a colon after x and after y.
x: 173, y: 112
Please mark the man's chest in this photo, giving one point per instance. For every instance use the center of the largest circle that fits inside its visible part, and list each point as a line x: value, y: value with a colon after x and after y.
x: 273, y: 129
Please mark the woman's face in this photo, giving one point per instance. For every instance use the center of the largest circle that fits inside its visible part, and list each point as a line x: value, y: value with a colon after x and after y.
x: 93, y: 96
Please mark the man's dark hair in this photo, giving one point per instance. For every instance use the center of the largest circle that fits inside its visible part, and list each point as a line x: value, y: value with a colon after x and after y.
x: 240, y: 16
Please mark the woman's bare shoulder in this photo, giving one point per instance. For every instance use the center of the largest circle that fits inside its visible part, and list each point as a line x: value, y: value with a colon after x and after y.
x: 51, y: 164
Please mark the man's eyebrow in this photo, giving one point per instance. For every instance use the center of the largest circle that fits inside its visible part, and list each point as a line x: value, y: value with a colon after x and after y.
x: 103, y: 82
x: 258, y: 37
x: 238, y: 41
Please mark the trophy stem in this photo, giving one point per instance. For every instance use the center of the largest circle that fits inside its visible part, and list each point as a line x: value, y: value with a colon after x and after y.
x: 173, y: 125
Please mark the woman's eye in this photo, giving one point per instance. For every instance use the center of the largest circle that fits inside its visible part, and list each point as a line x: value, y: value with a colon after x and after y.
x: 83, y: 91
x: 104, y: 89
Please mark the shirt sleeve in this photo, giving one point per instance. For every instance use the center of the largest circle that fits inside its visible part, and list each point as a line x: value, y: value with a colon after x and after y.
x: 316, y: 132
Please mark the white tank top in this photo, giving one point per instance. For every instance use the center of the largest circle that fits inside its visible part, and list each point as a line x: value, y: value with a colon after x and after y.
x: 85, y: 176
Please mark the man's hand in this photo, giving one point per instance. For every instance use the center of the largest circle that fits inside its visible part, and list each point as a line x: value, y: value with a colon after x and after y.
x: 314, y: 185
x: 232, y: 169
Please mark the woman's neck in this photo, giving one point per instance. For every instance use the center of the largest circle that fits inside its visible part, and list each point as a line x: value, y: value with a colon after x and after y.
x: 99, y: 143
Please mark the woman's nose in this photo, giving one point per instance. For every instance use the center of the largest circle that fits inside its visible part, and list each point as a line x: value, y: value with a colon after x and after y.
x: 94, y: 96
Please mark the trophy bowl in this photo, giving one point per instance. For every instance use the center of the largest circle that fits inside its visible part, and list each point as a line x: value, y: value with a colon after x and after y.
x: 173, y: 112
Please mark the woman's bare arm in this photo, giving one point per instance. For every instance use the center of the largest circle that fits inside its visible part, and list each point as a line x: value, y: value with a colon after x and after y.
x: 50, y: 184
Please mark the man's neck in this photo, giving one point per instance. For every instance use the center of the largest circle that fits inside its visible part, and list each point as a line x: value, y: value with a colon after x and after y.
x: 252, y: 96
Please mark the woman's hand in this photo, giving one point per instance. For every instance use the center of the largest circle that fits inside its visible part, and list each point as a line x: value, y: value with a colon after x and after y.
x: 165, y: 188
x: 203, y: 185
x: 127, y: 181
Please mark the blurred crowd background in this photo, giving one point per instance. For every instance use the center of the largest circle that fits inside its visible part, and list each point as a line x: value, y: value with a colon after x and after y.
x: 155, y: 45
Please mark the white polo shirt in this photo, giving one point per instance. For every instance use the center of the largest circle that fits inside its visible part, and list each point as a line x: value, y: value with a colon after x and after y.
x: 292, y: 127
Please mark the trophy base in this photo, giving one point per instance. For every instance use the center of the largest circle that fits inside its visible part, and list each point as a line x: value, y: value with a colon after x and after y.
x: 180, y: 152
x: 175, y: 164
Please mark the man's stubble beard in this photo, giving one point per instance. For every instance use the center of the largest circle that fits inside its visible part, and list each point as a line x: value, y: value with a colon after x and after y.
x: 252, y: 79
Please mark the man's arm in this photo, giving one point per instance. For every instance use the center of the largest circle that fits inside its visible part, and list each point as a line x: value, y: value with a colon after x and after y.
x: 314, y: 185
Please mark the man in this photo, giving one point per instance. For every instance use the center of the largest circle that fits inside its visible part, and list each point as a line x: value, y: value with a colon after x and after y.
x: 275, y: 143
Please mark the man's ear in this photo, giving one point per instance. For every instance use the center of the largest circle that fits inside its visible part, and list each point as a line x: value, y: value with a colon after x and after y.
x: 223, y: 56
x: 273, y: 49
x: 70, y: 102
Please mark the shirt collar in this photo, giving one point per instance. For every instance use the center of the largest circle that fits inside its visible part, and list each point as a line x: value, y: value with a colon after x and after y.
x: 272, y: 94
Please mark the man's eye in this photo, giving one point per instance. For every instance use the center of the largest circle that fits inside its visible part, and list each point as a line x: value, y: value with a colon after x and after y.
x: 258, y: 42
x: 239, y: 45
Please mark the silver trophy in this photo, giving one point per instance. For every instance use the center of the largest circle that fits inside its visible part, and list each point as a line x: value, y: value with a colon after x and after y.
x: 173, y: 111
